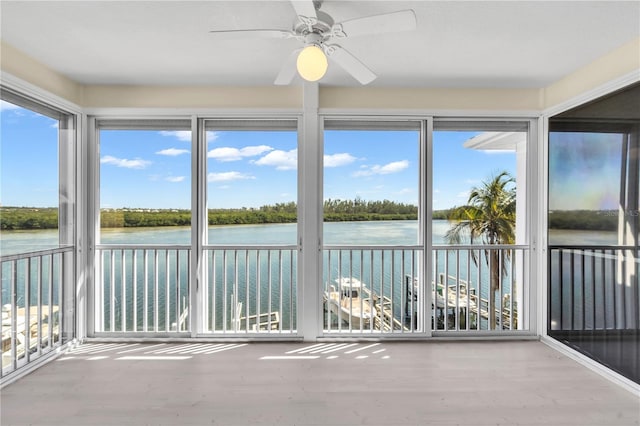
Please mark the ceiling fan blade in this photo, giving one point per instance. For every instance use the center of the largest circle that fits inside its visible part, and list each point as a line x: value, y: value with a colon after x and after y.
x: 304, y: 8
x: 288, y: 70
x: 350, y: 64
x: 403, y: 20
x: 252, y: 34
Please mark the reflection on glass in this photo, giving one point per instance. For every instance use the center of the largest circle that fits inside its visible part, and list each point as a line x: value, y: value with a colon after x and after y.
x: 584, y: 187
x: 594, y: 229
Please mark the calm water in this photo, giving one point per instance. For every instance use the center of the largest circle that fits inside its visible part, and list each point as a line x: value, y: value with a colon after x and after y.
x: 373, y: 268
x: 350, y: 233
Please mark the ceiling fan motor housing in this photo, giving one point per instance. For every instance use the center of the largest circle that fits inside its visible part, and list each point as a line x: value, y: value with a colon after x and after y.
x: 321, y: 25
x: 313, y: 39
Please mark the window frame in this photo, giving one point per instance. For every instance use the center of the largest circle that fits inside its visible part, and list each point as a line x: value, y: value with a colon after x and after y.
x: 71, y: 240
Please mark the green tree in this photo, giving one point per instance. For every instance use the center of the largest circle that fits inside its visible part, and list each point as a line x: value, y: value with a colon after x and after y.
x: 489, y: 218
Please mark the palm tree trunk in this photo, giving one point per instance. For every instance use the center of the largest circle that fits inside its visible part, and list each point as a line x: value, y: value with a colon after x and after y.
x: 494, y: 279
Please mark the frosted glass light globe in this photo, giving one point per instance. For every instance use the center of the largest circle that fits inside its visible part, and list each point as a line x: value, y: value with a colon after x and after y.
x: 312, y: 63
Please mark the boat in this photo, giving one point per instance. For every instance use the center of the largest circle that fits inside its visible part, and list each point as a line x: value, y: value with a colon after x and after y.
x: 21, y: 330
x: 346, y: 299
x: 7, y: 354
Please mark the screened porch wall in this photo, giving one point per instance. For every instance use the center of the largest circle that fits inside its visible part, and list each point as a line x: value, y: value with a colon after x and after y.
x: 593, y: 287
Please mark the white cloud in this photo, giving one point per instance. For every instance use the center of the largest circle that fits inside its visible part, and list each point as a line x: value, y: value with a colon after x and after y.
x: 175, y: 178
x: 182, y: 135
x: 55, y: 125
x: 405, y: 191
x: 185, y: 135
x: 393, y: 167
x: 227, y: 176
x: 235, y: 154
x: 173, y: 152
x: 6, y: 106
x: 337, y: 160
x: 224, y: 187
x: 123, y: 162
x: 463, y: 194
x: 212, y: 136
x: 281, y: 160
x: 498, y: 151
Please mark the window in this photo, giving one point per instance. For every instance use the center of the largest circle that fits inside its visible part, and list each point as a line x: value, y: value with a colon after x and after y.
x: 37, y: 219
x: 371, y: 229
x: 371, y: 182
x: 252, y: 233
x: 252, y: 181
x: 37, y: 190
x: 469, y: 156
x: 479, y: 199
x: 594, y: 228
x: 145, y: 225
x: 145, y: 181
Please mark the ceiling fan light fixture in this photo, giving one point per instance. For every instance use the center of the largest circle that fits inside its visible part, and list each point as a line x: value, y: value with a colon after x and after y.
x: 312, y: 63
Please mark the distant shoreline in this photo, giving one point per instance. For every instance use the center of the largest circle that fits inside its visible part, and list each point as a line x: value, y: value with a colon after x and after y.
x: 33, y: 218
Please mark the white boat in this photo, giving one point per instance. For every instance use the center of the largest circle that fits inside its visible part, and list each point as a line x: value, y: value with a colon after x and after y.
x: 22, y: 330
x: 350, y: 303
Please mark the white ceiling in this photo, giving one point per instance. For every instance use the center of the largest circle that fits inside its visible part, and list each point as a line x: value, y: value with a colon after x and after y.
x: 525, y: 44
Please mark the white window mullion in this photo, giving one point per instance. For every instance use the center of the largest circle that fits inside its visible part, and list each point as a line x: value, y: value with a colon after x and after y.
x: 310, y: 213
x: 425, y: 296
x: 197, y: 281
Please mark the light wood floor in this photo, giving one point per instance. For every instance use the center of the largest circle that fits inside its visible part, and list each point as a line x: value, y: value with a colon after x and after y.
x: 434, y: 383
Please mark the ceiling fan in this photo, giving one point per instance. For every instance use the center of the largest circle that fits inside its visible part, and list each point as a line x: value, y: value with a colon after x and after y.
x: 318, y: 32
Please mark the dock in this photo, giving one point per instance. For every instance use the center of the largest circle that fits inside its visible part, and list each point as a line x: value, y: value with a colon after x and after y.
x: 258, y: 322
x: 387, y: 321
x: 456, y: 305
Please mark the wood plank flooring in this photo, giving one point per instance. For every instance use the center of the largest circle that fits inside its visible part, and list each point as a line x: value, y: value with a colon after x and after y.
x: 418, y: 383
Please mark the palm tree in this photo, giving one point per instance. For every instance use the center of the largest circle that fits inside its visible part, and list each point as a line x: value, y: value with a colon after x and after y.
x: 488, y: 218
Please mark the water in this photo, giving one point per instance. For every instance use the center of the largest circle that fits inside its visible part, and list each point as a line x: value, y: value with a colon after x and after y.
x: 372, y: 267
x: 353, y: 233
x: 12, y: 242
x: 582, y: 238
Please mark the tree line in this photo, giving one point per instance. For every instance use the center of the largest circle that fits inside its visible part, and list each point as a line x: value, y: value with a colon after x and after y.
x: 592, y: 220
x: 360, y: 210
x: 17, y: 218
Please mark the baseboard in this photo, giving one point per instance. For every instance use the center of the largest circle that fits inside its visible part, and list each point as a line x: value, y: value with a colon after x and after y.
x: 592, y: 365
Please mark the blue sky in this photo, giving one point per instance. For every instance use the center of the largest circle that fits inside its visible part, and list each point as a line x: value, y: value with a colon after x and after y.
x: 28, y: 158
x: 456, y: 170
x: 151, y: 169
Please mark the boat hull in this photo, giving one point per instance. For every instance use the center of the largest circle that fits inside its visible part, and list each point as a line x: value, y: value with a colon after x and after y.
x: 350, y: 315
